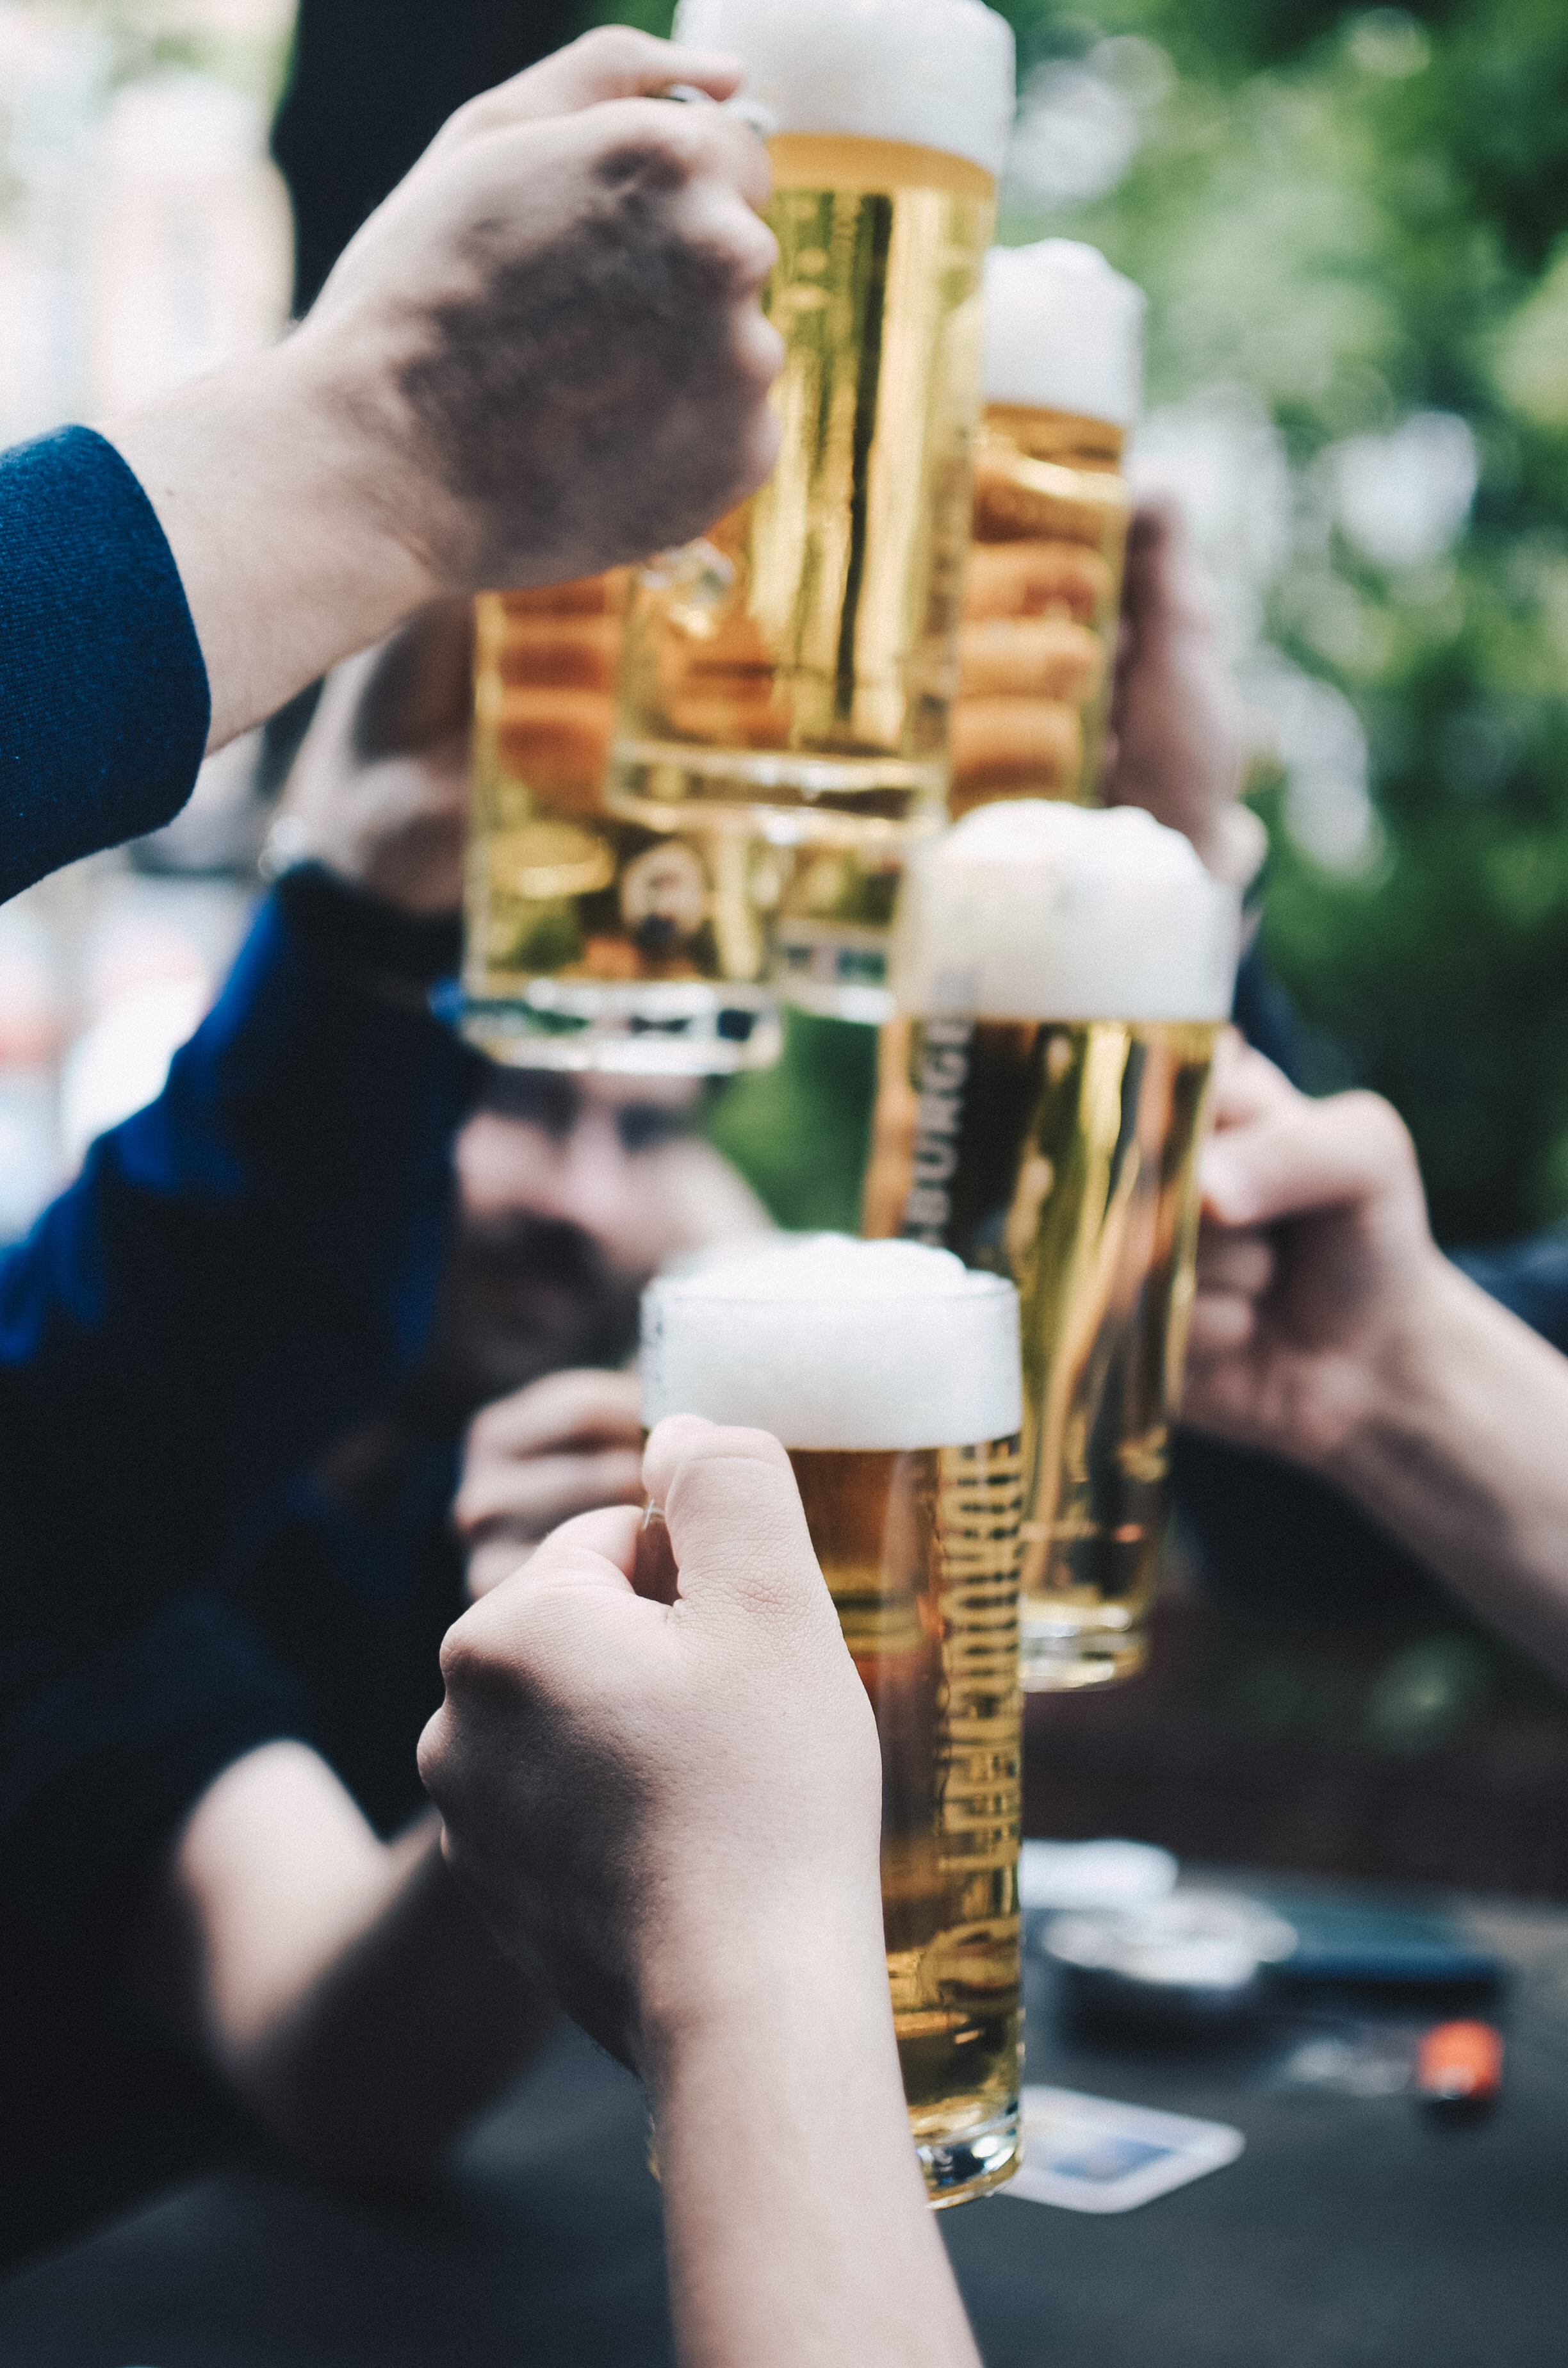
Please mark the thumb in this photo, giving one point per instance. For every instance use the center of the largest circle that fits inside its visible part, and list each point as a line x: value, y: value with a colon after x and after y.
x: 735, y: 1520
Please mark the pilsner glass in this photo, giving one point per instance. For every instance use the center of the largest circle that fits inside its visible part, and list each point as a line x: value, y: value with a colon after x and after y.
x: 592, y: 942
x: 1064, y: 369
x: 796, y: 665
x: 890, y: 1375
x: 1066, y: 976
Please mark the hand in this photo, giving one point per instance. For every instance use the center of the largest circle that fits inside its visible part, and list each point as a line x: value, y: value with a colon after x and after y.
x: 557, y: 309
x: 569, y: 1444
x: 1314, y: 1264
x: 380, y: 789
x: 542, y: 356
x: 1178, y: 743
x: 664, y: 1803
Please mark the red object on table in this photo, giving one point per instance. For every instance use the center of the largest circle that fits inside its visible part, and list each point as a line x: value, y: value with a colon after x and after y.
x: 1459, y: 2064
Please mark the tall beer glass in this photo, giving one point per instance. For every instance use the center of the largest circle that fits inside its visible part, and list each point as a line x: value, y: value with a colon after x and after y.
x: 890, y: 1375
x: 796, y: 665
x: 1041, y: 1112
x: 592, y: 942
x: 1064, y: 375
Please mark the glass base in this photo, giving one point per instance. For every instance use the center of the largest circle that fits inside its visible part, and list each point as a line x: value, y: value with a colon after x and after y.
x: 973, y: 2162
x: 693, y: 1029
x: 1059, y: 1656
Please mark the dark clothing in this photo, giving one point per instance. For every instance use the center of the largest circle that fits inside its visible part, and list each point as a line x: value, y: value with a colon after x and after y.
x: 242, y: 1269
x: 351, y: 1594
x: 103, y: 709
x: 373, y: 82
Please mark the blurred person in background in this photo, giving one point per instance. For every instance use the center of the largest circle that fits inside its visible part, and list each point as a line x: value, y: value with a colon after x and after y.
x: 242, y: 1269
x: 542, y: 356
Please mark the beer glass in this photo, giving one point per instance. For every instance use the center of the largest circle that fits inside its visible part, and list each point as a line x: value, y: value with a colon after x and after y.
x: 1066, y: 976
x: 795, y: 667
x: 591, y: 941
x: 890, y: 1376
x: 1063, y: 373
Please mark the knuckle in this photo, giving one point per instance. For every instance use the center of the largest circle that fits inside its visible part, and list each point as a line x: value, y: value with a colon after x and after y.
x: 614, y: 45
x: 474, y: 1672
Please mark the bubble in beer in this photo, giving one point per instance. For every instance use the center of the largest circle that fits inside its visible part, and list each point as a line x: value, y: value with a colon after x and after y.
x: 1064, y: 332
x: 937, y: 73
x: 832, y: 1343
x: 1032, y: 909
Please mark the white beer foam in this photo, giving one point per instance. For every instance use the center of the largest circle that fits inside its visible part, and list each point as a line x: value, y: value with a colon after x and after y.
x: 1063, y: 331
x: 833, y: 1343
x: 938, y: 73
x: 1030, y: 909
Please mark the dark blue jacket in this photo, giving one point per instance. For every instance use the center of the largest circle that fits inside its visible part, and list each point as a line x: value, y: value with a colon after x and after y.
x: 242, y: 1269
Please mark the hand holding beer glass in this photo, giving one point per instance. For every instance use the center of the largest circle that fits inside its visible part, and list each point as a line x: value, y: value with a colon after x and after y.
x: 1040, y: 1111
x: 890, y: 1376
x: 785, y: 681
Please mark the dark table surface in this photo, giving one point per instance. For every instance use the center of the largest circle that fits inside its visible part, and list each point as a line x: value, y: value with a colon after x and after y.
x: 1351, y: 2231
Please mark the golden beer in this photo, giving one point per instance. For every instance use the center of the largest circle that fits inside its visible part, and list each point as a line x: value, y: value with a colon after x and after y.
x: 592, y: 942
x: 1041, y: 1142
x: 920, y: 1553
x: 798, y: 666
x: 1065, y: 1157
x: 919, y: 1546
x: 1063, y: 368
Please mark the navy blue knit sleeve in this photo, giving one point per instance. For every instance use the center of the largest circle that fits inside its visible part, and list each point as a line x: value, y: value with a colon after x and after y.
x: 104, y: 710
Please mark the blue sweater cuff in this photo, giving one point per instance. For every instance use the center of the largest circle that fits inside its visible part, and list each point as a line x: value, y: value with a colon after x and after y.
x: 104, y: 707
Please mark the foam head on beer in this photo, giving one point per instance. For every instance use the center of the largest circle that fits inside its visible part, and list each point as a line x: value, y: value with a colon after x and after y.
x: 1064, y: 332
x: 937, y: 73
x: 833, y: 1343
x: 1035, y: 910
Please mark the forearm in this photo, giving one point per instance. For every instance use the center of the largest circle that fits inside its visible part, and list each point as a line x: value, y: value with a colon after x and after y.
x: 1461, y: 1450
x: 398, y: 2035
x: 343, y: 1985
x: 265, y: 481
x: 796, y: 2220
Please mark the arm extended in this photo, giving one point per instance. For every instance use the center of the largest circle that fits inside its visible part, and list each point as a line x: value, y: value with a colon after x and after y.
x: 341, y: 1983
x: 675, y: 1808
x: 1330, y: 1329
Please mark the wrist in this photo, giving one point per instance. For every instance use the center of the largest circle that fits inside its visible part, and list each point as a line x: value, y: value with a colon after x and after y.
x: 1399, y: 1394
x: 765, y: 1994
x: 276, y: 493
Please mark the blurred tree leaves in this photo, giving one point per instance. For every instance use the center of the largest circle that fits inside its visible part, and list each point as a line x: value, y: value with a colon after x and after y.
x: 1358, y: 217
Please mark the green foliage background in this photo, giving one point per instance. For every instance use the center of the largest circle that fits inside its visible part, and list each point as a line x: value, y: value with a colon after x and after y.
x: 1355, y: 215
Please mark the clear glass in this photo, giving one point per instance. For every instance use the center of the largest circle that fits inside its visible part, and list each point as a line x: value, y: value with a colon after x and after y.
x: 592, y: 942
x: 1041, y: 602
x: 1064, y: 1155
x: 920, y: 1550
x: 796, y: 667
